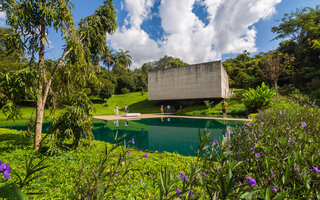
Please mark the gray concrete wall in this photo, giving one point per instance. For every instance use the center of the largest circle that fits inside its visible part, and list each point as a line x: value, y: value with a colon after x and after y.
x: 199, y: 81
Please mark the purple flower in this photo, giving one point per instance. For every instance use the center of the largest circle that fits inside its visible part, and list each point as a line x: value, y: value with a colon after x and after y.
x: 5, y: 170
x: 115, y: 172
x: 87, y: 196
x: 251, y: 181
x: 146, y: 156
x: 239, y: 134
x: 297, y: 169
x: 272, y: 172
x: 290, y: 140
x: 303, y: 124
x: 204, y: 174
x: 128, y: 152
x: 132, y: 141
x: 229, y: 145
x: 139, y: 180
x: 226, y: 134
x: 230, y: 131
x: 183, y: 177
x: 215, y: 143
x: 280, y: 112
x: 249, y: 125
x: 258, y: 155
x: 246, y: 130
x: 190, y: 193
x: 315, y: 169
x: 178, y: 191
x: 249, y: 138
x: 274, y: 188
x: 252, y: 131
x: 253, y: 148
x: 262, y: 123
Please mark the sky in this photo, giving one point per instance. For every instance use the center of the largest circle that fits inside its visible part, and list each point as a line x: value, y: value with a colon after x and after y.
x: 194, y: 31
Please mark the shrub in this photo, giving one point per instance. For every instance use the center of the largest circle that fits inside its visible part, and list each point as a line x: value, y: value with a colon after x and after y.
x: 125, y: 91
x: 258, y: 98
x: 107, y: 90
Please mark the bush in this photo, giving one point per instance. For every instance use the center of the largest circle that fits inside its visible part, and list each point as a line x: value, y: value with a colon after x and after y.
x: 125, y: 91
x: 107, y: 90
x: 259, y: 98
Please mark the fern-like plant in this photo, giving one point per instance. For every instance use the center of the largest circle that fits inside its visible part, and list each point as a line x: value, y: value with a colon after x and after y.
x: 258, y: 98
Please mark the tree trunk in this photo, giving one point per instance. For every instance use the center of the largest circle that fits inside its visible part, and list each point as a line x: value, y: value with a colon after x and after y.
x: 276, y: 88
x: 41, y: 81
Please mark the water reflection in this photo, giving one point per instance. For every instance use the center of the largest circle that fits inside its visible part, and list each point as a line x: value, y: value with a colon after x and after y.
x: 171, y: 134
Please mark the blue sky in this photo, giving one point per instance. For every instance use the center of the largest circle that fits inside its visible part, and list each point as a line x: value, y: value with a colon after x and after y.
x: 192, y: 30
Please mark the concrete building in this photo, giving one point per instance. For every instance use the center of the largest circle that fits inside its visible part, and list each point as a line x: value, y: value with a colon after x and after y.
x: 199, y: 81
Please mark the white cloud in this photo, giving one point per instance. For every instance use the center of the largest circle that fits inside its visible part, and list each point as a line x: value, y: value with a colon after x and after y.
x: 230, y: 29
x: 3, y: 18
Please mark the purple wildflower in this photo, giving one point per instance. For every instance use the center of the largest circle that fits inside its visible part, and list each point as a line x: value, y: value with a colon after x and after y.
x: 274, y: 188
x: 262, y: 123
x: 249, y: 125
x: 204, y: 174
x: 226, y: 134
x: 246, y: 130
x: 290, y: 140
x: 132, y: 141
x: 178, y: 191
x: 239, y: 134
x: 251, y: 181
x: 190, y: 193
x: 87, y: 196
x: 230, y: 131
x: 215, y: 143
x: 257, y: 155
x: 297, y: 169
x: 146, y: 156
x: 304, y: 124
x: 183, y: 177
x: 272, y: 172
x: 249, y: 138
x: 128, y: 152
x: 252, y: 131
x: 229, y: 145
x: 139, y: 180
x: 315, y: 169
x: 5, y: 170
x: 280, y: 112
x: 115, y: 172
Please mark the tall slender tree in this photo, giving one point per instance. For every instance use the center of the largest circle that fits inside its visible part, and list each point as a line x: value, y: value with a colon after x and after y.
x: 32, y: 18
x: 124, y: 58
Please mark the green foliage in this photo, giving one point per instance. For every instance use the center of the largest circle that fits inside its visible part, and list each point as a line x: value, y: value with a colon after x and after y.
x: 258, y: 98
x: 11, y: 191
x: 286, y: 138
x: 72, y: 125
x: 125, y: 90
x: 107, y: 89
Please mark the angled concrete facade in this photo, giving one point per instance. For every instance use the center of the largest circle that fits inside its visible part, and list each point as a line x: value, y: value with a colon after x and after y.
x: 198, y: 81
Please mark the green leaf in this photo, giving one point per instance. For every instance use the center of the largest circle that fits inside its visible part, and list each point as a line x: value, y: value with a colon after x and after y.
x: 11, y: 191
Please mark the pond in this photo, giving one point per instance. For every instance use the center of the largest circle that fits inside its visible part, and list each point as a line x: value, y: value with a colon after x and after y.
x: 178, y: 135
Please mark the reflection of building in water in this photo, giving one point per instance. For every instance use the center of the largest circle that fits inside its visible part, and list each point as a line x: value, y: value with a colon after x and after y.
x: 116, y: 123
x: 126, y: 123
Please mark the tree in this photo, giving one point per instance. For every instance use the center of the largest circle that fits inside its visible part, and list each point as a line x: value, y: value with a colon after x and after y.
x: 124, y: 58
x: 301, y: 32
x: 11, y: 58
x: 108, y: 58
x: 276, y: 64
x: 32, y: 18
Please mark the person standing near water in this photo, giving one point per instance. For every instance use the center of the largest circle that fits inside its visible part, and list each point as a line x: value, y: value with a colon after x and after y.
x: 161, y: 109
x: 126, y: 108
x: 116, y: 110
x: 224, y: 109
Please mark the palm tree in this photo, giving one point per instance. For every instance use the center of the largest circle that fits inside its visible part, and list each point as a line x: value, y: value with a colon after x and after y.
x: 124, y: 58
x: 108, y: 58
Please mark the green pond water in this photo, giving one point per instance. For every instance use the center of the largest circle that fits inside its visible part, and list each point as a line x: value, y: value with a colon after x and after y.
x: 178, y: 135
